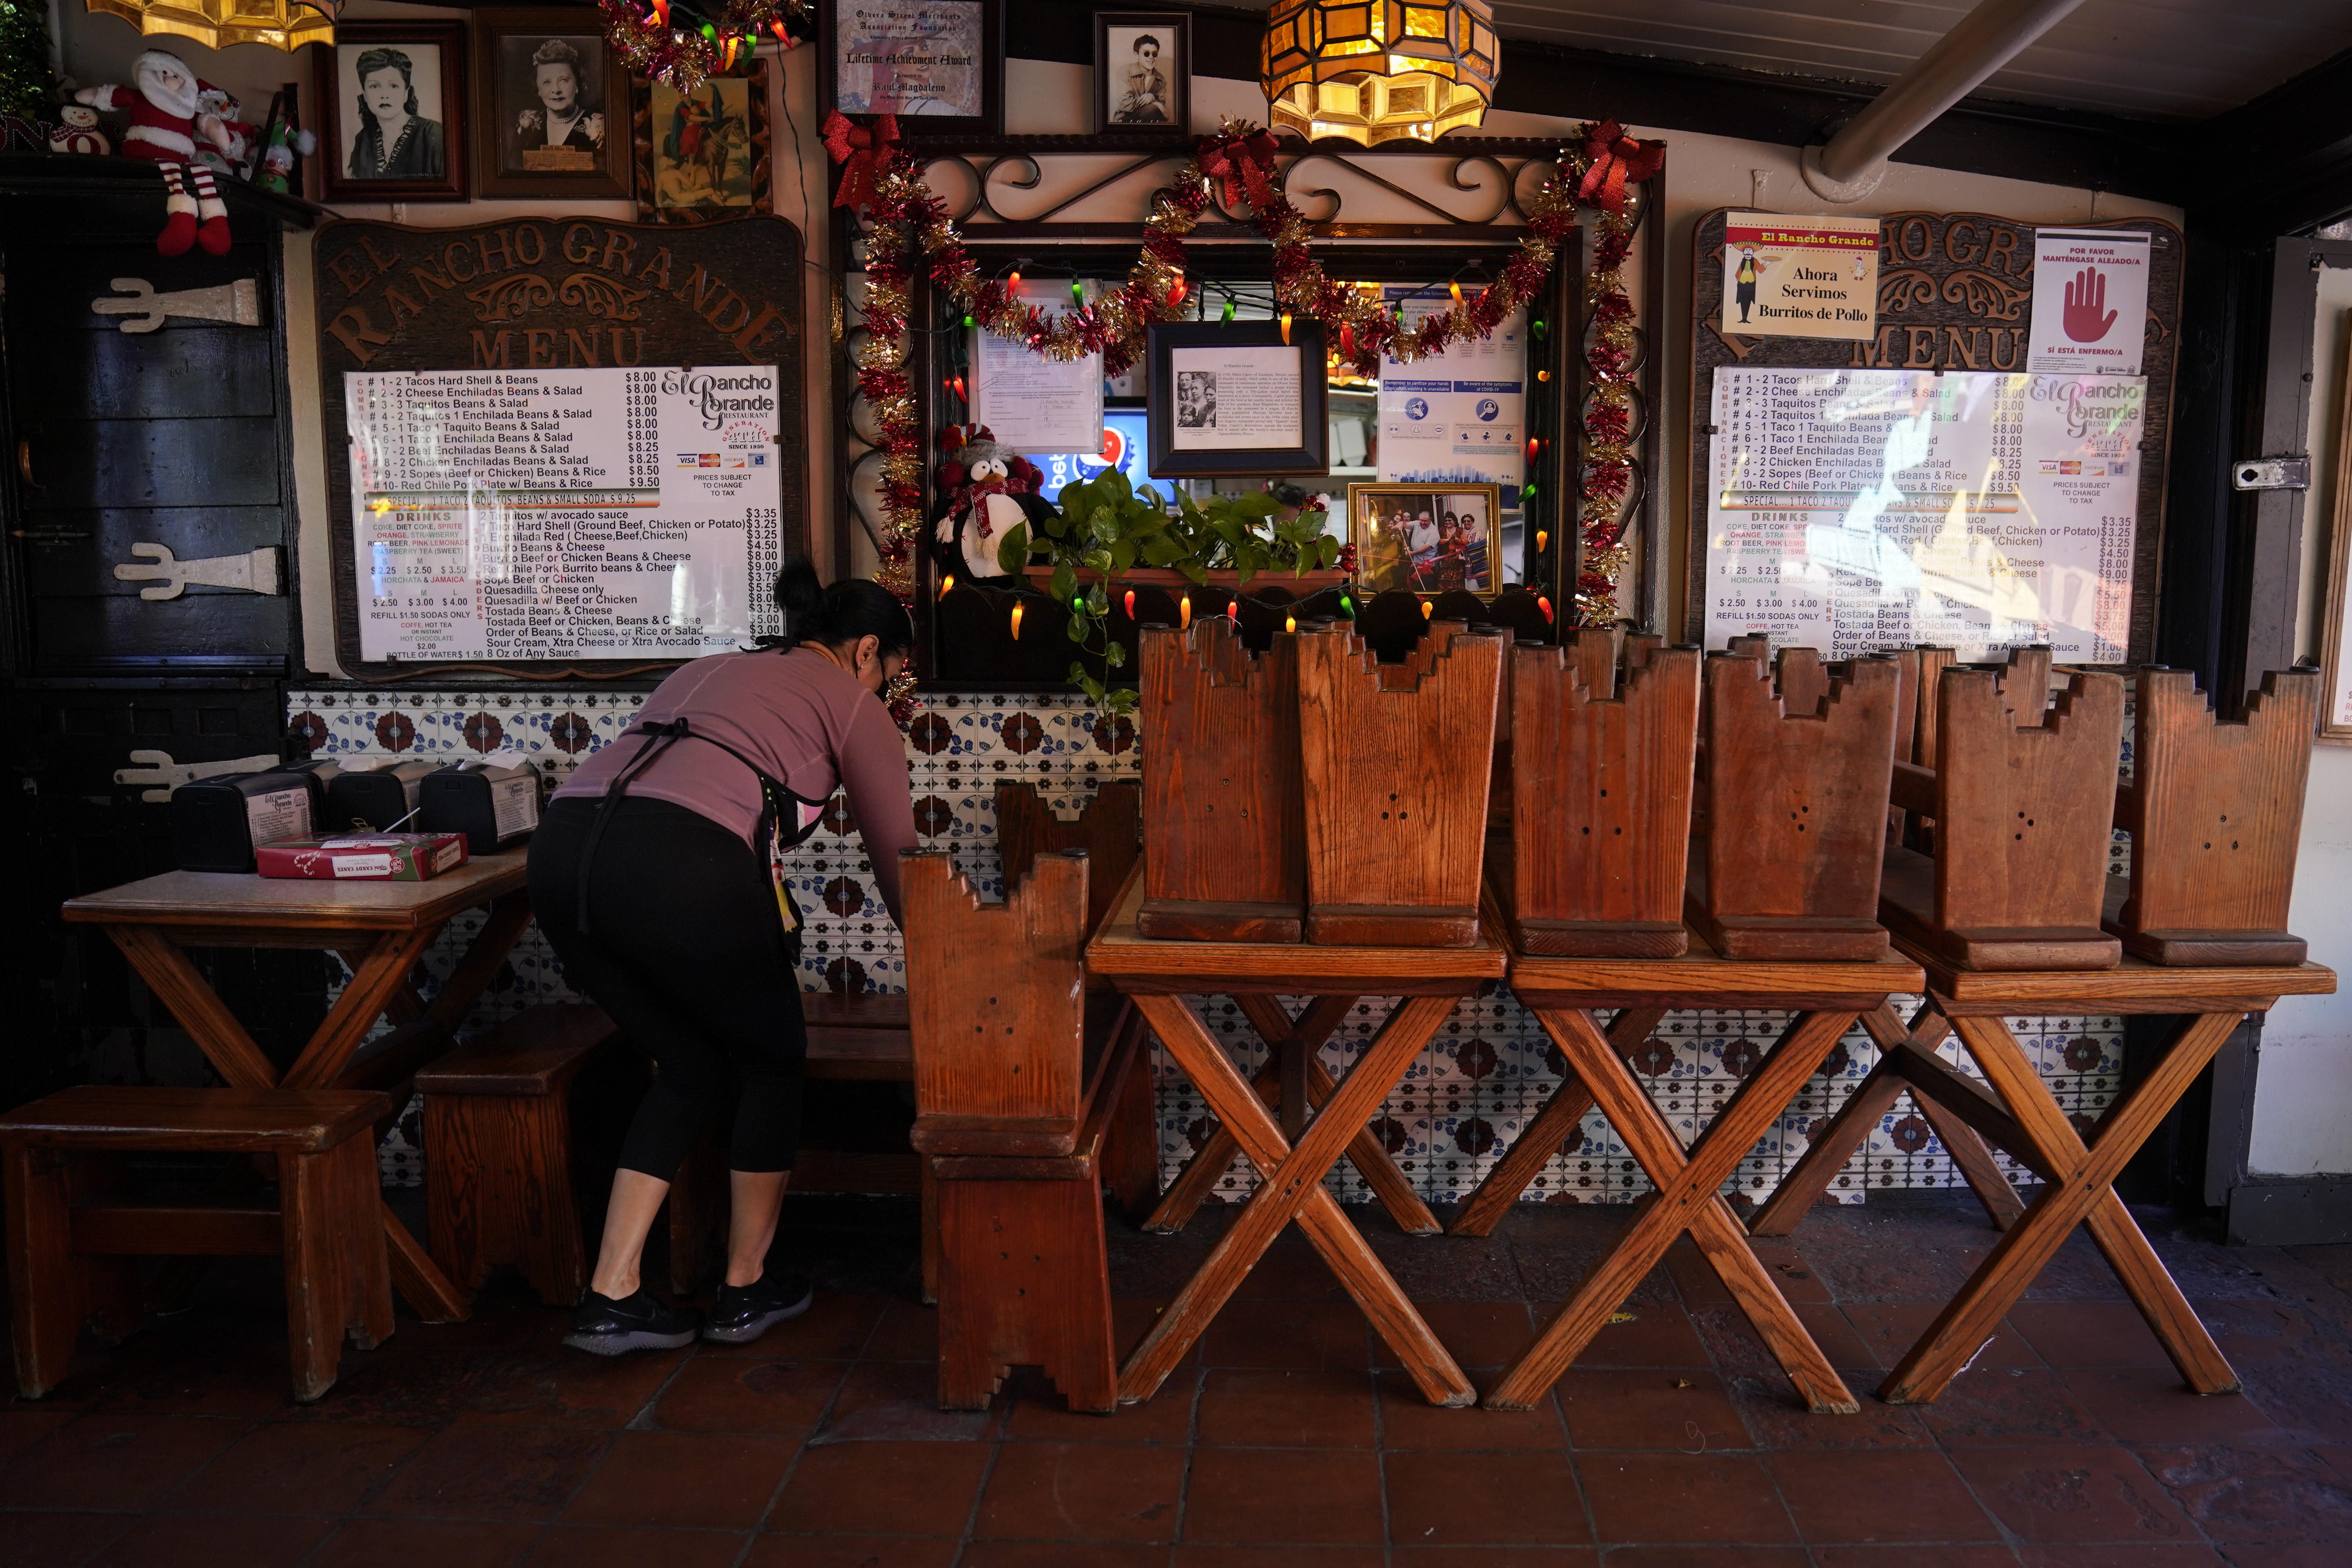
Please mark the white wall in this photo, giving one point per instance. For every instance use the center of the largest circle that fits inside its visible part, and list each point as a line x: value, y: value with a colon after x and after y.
x: 2305, y: 1090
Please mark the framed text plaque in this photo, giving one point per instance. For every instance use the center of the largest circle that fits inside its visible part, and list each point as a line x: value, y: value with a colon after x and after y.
x: 565, y: 446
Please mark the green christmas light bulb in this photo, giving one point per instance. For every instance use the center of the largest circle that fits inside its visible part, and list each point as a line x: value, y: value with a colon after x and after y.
x: 1228, y: 312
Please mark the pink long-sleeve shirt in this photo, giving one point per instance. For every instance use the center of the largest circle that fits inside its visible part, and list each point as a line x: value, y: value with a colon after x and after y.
x: 802, y: 718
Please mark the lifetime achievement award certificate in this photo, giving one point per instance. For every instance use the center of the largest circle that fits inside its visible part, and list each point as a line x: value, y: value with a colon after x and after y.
x: 563, y: 514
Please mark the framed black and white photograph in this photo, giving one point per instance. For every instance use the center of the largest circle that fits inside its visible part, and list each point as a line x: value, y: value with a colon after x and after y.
x: 703, y: 154
x: 1232, y: 398
x: 1143, y: 71
x: 392, y: 105
x: 937, y: 65
x: 553, y: 106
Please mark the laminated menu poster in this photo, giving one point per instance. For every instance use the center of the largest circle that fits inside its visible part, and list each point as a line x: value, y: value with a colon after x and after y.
x: 1458, y: 417
x: 1858, y: 509
x: 587, y: 513
x: 1032, y: 402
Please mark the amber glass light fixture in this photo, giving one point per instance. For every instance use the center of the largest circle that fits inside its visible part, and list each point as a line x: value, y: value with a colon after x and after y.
x: 281, y: 23
x: 1377, y: 70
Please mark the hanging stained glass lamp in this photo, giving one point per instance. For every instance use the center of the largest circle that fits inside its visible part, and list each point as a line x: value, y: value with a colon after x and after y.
x: 1379, y: 70
x: 217, y: 23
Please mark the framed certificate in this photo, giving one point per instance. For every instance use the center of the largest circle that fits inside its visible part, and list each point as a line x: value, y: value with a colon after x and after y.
x: 937, y: 65
x: 1232, y: 398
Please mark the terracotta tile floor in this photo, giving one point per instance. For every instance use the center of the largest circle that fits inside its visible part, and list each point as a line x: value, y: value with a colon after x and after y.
x: 1288, y: 1441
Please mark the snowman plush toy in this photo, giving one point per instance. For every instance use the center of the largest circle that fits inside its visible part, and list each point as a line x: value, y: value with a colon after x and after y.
x: 990, y: 491
x: 167, y: 118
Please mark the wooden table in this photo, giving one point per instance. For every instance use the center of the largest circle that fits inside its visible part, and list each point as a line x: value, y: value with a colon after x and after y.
x: 1563, y: 993
x: 1159, y: 975
x: 2022, y: 1118
x: 382, y: 929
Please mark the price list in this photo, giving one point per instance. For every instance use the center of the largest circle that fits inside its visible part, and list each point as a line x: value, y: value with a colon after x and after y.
x: 1853, y: 510
x: 563, y: 514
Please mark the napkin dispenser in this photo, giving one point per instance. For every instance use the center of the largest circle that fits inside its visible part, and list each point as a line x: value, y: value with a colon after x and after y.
x: 216, y: 822
x: 492, y: 800
x: 381, y: 797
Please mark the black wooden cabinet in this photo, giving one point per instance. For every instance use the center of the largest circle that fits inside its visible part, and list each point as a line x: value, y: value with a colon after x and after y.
x: 177, y: 437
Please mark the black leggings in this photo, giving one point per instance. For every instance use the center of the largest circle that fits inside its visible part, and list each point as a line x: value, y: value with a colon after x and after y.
x: 688, y: 957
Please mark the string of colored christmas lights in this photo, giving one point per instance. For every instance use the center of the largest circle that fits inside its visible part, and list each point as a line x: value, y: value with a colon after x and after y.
x: 682, y: 43
x: 905, y: 219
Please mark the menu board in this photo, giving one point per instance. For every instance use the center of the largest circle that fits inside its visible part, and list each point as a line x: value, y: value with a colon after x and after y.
x: 1853, y: 510
x: 576, y: 513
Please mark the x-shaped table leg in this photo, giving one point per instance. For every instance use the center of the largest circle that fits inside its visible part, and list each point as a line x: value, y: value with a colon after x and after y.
x: 1547, y: 1132
x: 2079, y: 1192
x: 1688, y: 1198
x: 1292, y: 1053
x: 1961, y: 1113
x: 1292, y: 1188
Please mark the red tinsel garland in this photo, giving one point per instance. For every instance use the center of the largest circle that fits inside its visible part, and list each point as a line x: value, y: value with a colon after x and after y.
x: 1239, y: 164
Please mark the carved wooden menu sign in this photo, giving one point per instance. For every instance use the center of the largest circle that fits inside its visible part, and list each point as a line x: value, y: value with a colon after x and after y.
x: 1923, y: 485
x: 560, y: 446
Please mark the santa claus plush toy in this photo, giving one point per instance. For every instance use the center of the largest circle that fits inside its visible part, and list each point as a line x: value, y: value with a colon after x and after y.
x: 165, y: 121
x: 990, y: 491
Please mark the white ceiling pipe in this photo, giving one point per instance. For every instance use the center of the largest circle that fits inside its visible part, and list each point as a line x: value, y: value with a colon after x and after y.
x: 1851, y: 166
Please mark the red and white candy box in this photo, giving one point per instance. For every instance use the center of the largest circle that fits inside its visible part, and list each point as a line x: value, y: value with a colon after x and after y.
x: 364, y: 856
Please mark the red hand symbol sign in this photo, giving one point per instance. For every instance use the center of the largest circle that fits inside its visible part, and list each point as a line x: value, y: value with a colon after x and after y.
x: 2086, y: 297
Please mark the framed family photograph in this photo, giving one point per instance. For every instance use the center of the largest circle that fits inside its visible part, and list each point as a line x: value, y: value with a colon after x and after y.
x: 1143, y: 71
x: 937, y: 65
x: 393, y: 112
x: 702, y: 154
x: 1426, y: 539
x: 1232, y: 399
x: 550, y: 100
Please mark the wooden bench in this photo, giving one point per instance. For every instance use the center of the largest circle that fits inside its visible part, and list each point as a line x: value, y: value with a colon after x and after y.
x: 73, y: 1227
x: 498, y: 1131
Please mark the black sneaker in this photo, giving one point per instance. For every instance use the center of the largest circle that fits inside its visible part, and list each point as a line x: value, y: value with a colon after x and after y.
x: 741, y: 1314
x: 602, y: 1326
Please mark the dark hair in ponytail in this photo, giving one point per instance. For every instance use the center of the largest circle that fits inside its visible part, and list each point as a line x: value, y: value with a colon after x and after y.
x: 852, y: 608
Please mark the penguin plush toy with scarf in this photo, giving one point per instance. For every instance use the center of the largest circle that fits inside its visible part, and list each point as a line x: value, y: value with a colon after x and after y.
x: 990, y: 491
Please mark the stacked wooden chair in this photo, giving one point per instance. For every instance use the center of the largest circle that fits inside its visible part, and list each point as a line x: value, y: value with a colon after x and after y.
x: 1394, y: 764
x: 1799, y: 755
x: 1595, y: 858
x: 1222, y: 808
x: 1016, y: 1102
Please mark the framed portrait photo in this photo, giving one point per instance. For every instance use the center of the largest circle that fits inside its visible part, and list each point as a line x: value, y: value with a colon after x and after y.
x: 1427, y: 539
x: 937, y: 65
x: 703, y: 154
x: 1232, y: 398
x: 393, y: 112
x: 550, y: 106
x: 1143, y: 72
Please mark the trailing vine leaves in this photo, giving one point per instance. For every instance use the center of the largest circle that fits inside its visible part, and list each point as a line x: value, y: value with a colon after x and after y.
x: 1107, y: 528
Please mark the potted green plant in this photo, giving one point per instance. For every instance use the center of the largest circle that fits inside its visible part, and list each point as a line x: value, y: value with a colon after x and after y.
x: 1107, y: 533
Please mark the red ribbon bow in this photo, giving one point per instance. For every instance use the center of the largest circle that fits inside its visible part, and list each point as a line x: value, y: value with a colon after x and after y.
x: 1616, y: 159
x: 1228, y: 161
x: 864, y: 153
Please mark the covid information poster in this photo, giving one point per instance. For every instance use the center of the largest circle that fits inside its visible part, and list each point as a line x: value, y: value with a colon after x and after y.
x: 589, y: 513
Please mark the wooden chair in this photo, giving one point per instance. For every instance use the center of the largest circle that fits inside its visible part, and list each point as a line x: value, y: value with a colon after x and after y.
x: 2021, y: 804
x: 1601, y: 793
x: 2214, y: 809
x: 1109, y: 829
x: 497, y: 1132
x: 1225, y: 818
x: 1015, y: 1115
x: 1394, y: 764
x: 1796, y: 805
x: 73, y: 1227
